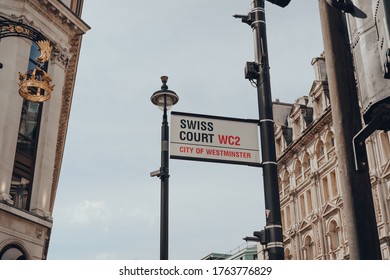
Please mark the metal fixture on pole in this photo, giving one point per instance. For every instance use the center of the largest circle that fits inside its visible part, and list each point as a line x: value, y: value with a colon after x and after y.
x: 258, y: 73
x: 164, y: 99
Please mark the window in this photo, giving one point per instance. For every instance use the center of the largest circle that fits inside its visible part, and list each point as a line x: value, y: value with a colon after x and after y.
x: 309, y: 202
x: 288, y: 217
x: 74, y: 5
x: 28, y: 128
x: 320, y: 150
x: 333, y: 183
x: 329, y: 142
x: 286, y: 183
x: 306, y: 161
x: 26, y: 147
x: 306, y: 165
x: 334, y: 236
x: 20, y: 188
x: 306, y: 204
x: 67, y: 3
x: 298, y: 172
x: 308, y: 249
x: 320, y: 153
x: 12, y: 252
x: 302, y: 206
x: 325, y: 188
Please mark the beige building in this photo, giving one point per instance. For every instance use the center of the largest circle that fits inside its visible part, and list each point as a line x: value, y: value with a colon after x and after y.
x: 32, y: 134
x: 311, y: 199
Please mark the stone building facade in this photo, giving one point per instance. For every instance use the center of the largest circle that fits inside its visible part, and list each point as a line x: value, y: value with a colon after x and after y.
x: 310, y: 195
x: 32, y: 134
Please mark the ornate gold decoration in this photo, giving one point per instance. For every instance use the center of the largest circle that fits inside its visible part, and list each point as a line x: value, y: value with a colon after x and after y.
x: 35, y: 85
x: 45, y: 49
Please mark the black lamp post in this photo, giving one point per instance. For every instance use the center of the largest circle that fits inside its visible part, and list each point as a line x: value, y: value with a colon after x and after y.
x: 258, y: 72
x: 164, y: 99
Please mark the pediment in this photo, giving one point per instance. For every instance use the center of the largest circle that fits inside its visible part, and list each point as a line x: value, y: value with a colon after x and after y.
x: 328, y: 209
x: 295, y: 110
x: 304, y: 225
x: 317, y: 88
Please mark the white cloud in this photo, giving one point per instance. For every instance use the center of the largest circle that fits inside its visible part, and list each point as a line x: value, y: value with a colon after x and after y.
x: 88, y: 212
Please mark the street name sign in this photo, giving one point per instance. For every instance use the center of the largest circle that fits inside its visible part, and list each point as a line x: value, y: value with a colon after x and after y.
x: 214, y: 139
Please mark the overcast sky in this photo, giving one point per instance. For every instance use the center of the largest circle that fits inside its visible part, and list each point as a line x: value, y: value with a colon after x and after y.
x: 107, y: 206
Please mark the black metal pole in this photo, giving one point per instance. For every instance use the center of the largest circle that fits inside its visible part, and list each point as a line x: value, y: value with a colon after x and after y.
x: 164, y: 177
x: 169, y: 98
x: 270, y: 172
x: 358, y: 210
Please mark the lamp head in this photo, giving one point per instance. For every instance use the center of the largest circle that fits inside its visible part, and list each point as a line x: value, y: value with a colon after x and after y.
x: 280, y: 3
x: 164, y: 98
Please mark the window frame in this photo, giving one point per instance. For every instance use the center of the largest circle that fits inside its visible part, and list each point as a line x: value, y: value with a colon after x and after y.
x: 24, y: 162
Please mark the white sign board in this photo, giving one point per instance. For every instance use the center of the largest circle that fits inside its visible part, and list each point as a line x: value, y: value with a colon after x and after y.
x: 214, y: 139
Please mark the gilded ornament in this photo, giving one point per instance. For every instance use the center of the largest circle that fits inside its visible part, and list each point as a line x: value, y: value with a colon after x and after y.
x: 35, y: 85
x: 45, y: 49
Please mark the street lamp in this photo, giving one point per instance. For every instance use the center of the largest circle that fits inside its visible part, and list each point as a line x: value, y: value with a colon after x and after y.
x: 164, y: 99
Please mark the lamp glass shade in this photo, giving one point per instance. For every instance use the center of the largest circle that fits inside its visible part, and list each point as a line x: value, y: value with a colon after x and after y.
x: 164, y: 98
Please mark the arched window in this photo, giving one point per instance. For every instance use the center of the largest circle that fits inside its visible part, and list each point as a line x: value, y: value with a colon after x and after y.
x: 333, y: 183
x: 308, y: 249
x: 298, y: 172
x: 306, y: 164
x: 13, y: 252
x: 320, y: 149
x: 329, y: 140
x: 320, y: 153
x: 286, y: 182
x: 334, y: 236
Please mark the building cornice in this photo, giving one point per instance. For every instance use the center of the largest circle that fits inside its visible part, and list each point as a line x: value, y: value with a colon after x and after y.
x: 60, y: 16
x: 306, y: 137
